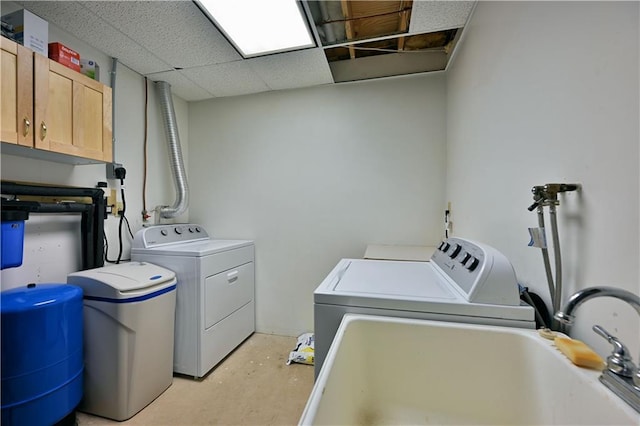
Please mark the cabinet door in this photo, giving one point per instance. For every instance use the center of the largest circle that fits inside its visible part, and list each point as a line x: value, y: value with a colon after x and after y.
x: 73, y: 112
x: 16, y: 87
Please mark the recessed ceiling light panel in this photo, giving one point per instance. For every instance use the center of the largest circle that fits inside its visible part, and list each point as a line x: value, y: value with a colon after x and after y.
x: 259, y: 27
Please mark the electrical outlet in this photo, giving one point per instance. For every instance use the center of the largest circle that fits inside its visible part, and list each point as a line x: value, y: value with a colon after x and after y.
x: 111, y: 167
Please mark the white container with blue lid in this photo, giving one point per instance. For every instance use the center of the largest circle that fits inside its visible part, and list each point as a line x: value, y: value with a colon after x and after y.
x: 124, y: 282
x: 129, y: 316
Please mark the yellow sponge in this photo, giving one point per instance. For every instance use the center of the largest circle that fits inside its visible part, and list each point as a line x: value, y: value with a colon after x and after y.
x: 579, y: 353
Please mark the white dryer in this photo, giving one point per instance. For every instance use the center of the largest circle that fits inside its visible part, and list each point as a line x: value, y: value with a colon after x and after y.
x: 215, y: 308
x: 464, y: 281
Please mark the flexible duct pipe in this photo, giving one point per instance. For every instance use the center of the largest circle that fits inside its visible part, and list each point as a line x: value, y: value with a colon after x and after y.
x: 329, y: 34
x: 163, y: 89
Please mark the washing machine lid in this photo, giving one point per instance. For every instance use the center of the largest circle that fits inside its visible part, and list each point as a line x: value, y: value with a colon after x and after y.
x: 384, y: 278
x: 405, y: 286
x: 124, y: 281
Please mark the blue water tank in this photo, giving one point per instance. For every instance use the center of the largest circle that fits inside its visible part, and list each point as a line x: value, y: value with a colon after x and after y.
x: 42, y: 358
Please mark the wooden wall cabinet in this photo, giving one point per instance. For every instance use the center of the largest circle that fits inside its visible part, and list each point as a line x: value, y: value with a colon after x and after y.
x: 16, y: 93
x: 69, y: 114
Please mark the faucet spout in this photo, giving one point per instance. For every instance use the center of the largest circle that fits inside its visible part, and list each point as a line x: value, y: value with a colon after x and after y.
x: 566, y: 315
x: 621, y: 375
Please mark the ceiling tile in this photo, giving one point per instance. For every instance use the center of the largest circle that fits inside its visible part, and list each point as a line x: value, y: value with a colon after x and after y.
x: 393, y: 64
x: 182, y: 86
x: 97, y: 33
x: 174, y: 41
x: 176, y: 31
x: 435, y: 15
x: 230, y: 79
x: 289, y: 70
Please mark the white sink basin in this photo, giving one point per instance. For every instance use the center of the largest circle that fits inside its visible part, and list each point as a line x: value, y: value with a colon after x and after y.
x: 383, y: 371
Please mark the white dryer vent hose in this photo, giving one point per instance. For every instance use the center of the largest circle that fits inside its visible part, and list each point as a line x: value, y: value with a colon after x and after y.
x: 163, y: 90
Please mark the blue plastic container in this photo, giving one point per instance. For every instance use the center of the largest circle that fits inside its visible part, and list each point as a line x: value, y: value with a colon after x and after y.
x: 42, y: 357
x: 12, y: 237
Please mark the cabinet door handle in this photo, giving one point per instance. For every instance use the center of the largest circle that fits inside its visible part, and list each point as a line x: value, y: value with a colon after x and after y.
x: 232, y: 276
x: 27, y: 126
x: 43, y: 128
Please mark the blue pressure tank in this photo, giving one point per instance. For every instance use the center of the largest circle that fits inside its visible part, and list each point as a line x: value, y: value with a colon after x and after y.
x: 42, y: 358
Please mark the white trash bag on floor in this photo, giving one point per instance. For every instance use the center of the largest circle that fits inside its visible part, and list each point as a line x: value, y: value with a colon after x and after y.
x: 304, y: 351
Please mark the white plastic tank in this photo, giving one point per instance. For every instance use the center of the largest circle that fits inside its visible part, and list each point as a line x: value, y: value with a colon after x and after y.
x: 129, y: 317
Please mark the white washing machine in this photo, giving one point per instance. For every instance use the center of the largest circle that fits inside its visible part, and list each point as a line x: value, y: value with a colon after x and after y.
x: 464, y: 281
x: 215, y: 308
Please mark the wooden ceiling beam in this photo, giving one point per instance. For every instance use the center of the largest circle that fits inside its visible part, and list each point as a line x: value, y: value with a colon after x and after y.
x: 348, y: 25
x: 403, y: 24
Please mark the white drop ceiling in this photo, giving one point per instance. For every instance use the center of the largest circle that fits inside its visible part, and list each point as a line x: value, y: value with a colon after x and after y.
x: 175, y: 42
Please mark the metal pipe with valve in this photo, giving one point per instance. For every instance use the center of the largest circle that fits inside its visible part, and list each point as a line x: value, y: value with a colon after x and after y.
x: 547, y: 195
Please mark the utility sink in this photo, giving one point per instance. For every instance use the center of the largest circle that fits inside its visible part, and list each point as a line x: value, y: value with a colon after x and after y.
x: 384, y: 371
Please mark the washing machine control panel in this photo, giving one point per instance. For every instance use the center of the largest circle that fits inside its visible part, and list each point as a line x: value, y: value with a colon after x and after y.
x: 462, y: 259
x: 480, y: 272
x: 159, y: 235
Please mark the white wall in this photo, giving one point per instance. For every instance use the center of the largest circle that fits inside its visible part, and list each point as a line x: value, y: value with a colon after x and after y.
x: 543, y: 92
x: 52, y: 242
x: 314, y: 175
x: 539, y: 92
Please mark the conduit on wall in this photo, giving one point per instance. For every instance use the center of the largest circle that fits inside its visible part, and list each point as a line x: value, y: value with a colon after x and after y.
x: 114, y: 66
x: 163, y: 89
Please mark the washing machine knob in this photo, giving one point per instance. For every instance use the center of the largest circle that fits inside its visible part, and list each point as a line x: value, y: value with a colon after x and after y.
x: 163, y: 232
x: 191, y: 230
x: 473, y: 264
x: 456, y: 251
x: 178, y: 230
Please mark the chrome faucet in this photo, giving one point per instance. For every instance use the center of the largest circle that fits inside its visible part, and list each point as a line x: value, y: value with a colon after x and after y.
x: 622, y: 376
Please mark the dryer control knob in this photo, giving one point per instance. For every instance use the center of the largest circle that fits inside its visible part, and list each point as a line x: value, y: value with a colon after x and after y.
x: 178, y: 230
x: 163, y: 232
x: 456, y: 251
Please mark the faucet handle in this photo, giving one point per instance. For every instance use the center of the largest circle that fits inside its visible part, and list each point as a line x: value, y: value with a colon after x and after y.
x: 619, y: 362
